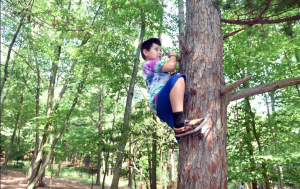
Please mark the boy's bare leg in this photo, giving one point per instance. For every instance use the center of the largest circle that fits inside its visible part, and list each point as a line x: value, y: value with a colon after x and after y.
x: 177, y: 95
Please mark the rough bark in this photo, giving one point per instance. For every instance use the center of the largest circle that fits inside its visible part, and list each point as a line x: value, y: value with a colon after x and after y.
x: 181, y: 21
x: 124, y: 135
x: 13, y: 135
x: 202, y: 157
x: 99, y: 130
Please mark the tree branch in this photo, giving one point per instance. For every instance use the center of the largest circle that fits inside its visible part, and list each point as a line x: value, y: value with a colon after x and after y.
x: 259, y: 16
x: 24, y: 59
x: 251, y: 11
x: 10, y: 48
x: 233, y: 33
x: 297, y: 17
x: 263, y: 88
x: 234, y: 85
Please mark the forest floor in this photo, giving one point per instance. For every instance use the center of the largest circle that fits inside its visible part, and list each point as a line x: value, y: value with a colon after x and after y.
x: 13, y: 178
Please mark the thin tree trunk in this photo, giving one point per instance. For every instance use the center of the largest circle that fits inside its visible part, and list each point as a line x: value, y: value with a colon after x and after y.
x: 48, y: 114
x: 165, y: 174
x: 105, y: 170
x: 99, y: 130
x: 37, y: 114
x: 8, y: 151
x: 10, y: 48
x: 40, y: 179
x: 58, y: 169
x: 13, y: 135
x: 124, y: 135
x: 107, y: 165
x: 130, y: 162
x: 149, y: 163
x: 134, y: 180
x: 154, y: 151
x: 34, y: 180
x: 288, y: 62
x: 4, y: 98
x: 258, y: 142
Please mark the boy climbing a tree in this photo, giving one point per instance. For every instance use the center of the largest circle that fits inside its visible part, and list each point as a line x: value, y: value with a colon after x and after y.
x: 167, y: 93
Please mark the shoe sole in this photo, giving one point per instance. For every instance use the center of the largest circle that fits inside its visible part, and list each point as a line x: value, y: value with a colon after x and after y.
x: 193, y: 131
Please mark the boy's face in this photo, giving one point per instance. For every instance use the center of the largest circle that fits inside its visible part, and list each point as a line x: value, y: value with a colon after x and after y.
x: 154, y: 53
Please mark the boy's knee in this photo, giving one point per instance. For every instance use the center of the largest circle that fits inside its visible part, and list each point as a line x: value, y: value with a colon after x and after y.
x: 181, y: 80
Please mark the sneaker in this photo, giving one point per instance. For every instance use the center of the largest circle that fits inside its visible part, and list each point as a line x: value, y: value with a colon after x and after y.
x: 190, y: 127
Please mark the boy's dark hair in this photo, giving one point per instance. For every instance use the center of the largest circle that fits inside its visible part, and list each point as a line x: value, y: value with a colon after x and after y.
x: 147, y: 45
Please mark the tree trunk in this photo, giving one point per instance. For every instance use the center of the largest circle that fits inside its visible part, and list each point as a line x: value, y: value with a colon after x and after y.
x: 8, y: 86
x: 36, y: 164
x: 149, y: 163
x: 107, y: 164
x: 48, y: 113
x: 105, y: 169
x: 8, y: 151
x: 248, y: 105
x: 98, y: 169
x: 14, y: 134
x: 154, y: 150
x: 34, y: 154
x: 202, y: 158
x: 171, y: 167
x: 40, y: 180
x: 124, y: 135
x: 165, y: 173
x: 99, y: 130
x: 58, y: 169
x: 130, y: 163
x: 10, y: 48
x: 181, y: 21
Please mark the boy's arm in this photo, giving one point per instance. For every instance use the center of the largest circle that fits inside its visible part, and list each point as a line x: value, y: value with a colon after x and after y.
x: 170, y: 65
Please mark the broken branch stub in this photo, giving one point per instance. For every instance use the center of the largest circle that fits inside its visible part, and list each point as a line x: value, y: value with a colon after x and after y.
x: 234, y: 85
x: 181, y: 42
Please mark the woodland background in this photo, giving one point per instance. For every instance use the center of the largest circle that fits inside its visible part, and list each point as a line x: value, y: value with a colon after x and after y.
x: 91, y: 46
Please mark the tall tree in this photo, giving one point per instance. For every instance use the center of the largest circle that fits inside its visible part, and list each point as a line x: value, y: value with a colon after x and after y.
x: 124, y: 136
x: 202, y: 156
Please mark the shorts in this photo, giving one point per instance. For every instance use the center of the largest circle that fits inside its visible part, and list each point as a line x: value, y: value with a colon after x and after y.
x: 163, y: 103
